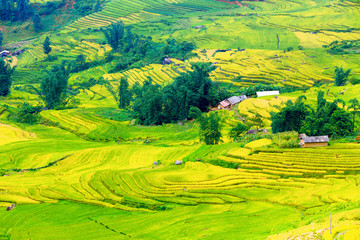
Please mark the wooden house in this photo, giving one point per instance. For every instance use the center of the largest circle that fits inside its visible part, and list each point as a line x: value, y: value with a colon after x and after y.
x: 315, y: 141
x: 358, y: 138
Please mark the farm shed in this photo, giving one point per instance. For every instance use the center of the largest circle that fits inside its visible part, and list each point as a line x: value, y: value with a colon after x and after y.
x: 358, y: 138
x: 267, y: 93
x: 316, y: 141
x: 178, y: 162
x: 230, y: 102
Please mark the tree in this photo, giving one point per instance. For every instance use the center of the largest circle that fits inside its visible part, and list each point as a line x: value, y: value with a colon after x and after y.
x: 341, y: 77
x: 237, y: 131
x: 124, y: 93
x: 355, y: 106
x: 194, y: 113
x: 341, y: 122
x: 28, y: 113
x: 114, y: 35
x: 53, y: 87
x: 97, y: 6
x: 148, y: 104
x: 37, y: 23
x: 46, y: 46
x: 5, y: 77
x: 210, y: 129
x: 256, y: 121
x: 290, y: 117
x: 1, y: 38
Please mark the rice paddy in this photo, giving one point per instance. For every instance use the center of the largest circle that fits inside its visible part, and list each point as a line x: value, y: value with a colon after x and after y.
x: 92, y: 173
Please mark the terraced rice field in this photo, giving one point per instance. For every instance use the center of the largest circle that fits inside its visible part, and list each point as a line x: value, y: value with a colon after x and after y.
x: 118, y: 180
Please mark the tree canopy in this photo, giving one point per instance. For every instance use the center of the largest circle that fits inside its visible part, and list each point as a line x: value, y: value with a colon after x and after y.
x: 5, y: 77
x: 173, y: 102
x: 53, y: 87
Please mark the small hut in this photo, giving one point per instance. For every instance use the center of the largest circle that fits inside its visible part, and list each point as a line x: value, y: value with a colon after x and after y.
x: 358, y: 138
x: 178, y: 162
x: 315, y: 141
x: 155, y: 163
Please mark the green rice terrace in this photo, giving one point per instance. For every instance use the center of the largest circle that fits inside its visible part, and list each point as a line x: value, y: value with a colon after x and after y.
x: 180, y: 119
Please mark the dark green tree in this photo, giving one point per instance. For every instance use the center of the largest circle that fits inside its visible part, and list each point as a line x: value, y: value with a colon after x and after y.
x: 341, y: 76
x: 124, y: 94
x: 114, y: 35
x: 194, y: 113
x: 148, y: 104
x: 355, y: 106
x: 28, y: 113
x: 290, y: 117
x: 341, y: 123
x: 1, y: 38
x: 237, y: 131
x: 210, y: 129
x: 5, y: 77
x: 97, y: 6
x: 37, y: 23
x: 53, y: 87
x: 46, y: 46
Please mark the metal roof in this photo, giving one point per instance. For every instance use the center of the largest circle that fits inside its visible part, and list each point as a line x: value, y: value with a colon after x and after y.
x: 234, y: 100
x: 316, y: 139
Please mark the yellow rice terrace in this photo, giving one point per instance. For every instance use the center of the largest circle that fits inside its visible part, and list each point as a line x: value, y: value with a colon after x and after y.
x: 180, y: 119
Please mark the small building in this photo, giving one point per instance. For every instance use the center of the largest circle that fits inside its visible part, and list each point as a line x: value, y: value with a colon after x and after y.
x: 230, y: 102
x: 4, y: 53
x: 155, y: 163
x: 267, y: 93
x: 315, y: 141
x: 358, y: 138
x: 178, y: 162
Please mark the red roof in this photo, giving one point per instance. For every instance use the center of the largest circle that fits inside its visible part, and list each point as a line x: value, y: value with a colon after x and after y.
x: 224, y: 103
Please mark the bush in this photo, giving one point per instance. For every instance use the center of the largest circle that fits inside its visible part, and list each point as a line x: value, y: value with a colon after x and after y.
x: 354, y: 80
x: 28, y: 113
x: 286, y: 139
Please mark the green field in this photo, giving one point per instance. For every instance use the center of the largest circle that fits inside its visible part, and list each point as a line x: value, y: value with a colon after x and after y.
x: 89, y: 173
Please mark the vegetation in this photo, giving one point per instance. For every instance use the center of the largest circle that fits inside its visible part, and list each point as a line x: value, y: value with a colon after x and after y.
x: 116, y: 123
x: 5, y: 78
x: 341, y: 76
x: 46, y: 46
x: 210, y: 129
x: 54, y: 87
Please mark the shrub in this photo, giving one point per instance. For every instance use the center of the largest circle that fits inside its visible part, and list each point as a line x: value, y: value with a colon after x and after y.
x: 286, y: 139
x: 28, y: 113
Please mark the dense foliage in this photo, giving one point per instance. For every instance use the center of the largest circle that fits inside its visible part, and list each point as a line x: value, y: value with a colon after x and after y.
x: 46, y: 46
x: 138, y: 51
x: 343, y: 47
x: 210, y: 128
x: 291, y: 117
x: 28, y: 113
x: 11, y: 10
x: 238, y: 131
x: 124, y: 94
x: 341, y: 76
x: 155, y: 105
x: 5, y: 78
x: 53, y: 87
x: 327, y: 119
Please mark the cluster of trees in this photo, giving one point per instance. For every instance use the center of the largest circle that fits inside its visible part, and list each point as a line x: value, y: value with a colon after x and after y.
x: 15, y: 10
x: 5, y: 77
x: 54, y: 88
x: 327, y: 119
x: 152, y: 104
x: 343, y: 47
x: 138, y: 51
